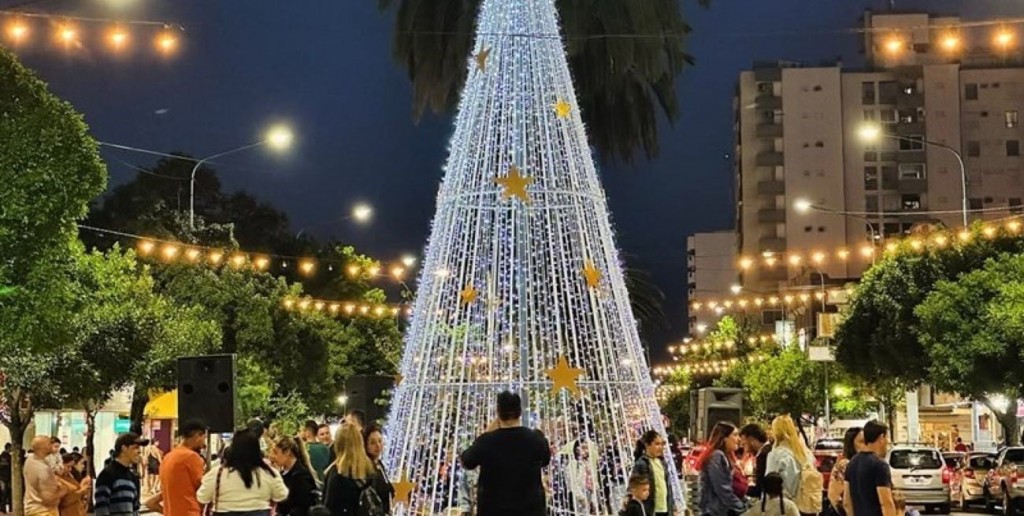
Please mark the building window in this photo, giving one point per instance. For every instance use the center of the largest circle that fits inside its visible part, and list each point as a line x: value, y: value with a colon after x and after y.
x: 871, y: 203
x: 911, y: 202
x: 867, y: 93
x: 1012, y: 119
x: 907, y: 117
x: 971, y: 92
x: 888, y: 116
x: 974, y: 149
x: 870, y: 115
x: 871, y: 178
x: 1015, y: 204
x: 912, y: 171
x: 975, y: 204
x: 1013, y: 148
x: 912, y: 143
x: 888, y: 92
x: 819, y: 144
x: 817, y: 88
x: 764, y: 87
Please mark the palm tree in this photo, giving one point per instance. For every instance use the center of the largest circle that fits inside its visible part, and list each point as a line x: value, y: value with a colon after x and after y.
x: 645, y: 298
x: 624, y: 56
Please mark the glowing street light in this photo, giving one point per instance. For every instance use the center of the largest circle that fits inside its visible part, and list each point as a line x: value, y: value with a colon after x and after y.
x: 869, y: 133
x: 408, y: 260
x: 342, y: 399
x: 736, y: 288
x: 362, y: 212
x: 278, y: 137
x: 802, y: 205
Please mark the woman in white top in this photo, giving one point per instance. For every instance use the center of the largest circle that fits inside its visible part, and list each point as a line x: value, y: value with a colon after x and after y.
x: 243, y: 484
x: 788, y: 455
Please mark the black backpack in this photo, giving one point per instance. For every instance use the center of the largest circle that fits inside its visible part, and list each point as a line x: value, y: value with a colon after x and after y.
x: 369, y: 500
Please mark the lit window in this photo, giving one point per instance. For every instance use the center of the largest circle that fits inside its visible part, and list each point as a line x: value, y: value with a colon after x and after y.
x: 1012, y: 118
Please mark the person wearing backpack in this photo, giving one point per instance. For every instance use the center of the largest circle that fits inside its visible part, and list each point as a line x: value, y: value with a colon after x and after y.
x: 791, y: 459
x: 349, y: 484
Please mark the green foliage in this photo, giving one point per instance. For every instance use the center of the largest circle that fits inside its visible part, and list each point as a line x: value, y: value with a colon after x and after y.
x: 879, y: 337
x: 51, y: 170
x: 972, y: 329
x: 622, y: 83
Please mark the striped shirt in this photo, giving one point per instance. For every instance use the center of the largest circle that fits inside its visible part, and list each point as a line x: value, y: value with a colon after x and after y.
x: 116, y: 491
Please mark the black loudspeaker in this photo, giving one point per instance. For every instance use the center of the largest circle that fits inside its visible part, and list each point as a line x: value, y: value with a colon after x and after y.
x: 206, y: 391
x: 362, y: 391
x: 712, y: 405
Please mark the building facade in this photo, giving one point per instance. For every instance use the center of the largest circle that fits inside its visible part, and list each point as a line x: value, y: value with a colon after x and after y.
x: 931, y: 86
x: 711, y: 271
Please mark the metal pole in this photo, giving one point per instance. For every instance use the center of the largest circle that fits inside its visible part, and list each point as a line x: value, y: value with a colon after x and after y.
x: 828, y: 404
x: 192, y: 181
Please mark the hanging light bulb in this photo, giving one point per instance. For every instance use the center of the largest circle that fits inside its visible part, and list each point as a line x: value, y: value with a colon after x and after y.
x: 118, y: 38
x: 17, y: 30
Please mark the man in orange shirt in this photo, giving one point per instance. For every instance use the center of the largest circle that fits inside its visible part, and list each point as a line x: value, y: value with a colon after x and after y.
x: 181, y: 472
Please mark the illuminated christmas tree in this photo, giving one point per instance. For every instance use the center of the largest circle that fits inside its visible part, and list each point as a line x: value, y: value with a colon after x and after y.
x: 521, y: 288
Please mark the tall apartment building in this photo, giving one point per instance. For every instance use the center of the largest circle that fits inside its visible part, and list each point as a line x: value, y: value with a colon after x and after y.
x: 711, y: 272
x: 928, y: 79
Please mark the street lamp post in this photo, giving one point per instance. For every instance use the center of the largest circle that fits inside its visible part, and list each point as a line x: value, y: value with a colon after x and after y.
x: 871, y: 133
x: 278, y: 138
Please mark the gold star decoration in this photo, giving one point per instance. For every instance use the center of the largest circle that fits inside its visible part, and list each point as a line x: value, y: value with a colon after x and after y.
x: 592, y: 275
x: 468, y: 294
x: 563, y: 108
x: 514, y: 184
x: 403, y: 488
x: 564, y: 376
x: 481, y: 59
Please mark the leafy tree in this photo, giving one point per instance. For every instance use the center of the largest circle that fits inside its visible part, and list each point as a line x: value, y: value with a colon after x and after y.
x: 676, y: 407
x: 622, y: 82
x: 878, y: 340
x: 52, y: 170
x: 973, y: 329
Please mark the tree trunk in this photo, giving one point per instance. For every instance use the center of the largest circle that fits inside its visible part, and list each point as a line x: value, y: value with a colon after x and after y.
x: 140, y: 398
x: 90, y: 439
x: 21, y: 414
x: 892, y: 418
x: 1007, y: 419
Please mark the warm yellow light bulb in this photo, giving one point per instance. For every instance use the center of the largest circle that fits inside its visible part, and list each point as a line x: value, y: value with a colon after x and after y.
x: 950, y: 42
x: 67, y: 34
x: 746, y: 263
x: 192, y: 254
x: 818, y: 257
x: 1004, y: 38
x: 894, y: 45
x: 964, y: 235
x: 17, y: 31
x: 166, y: 42
x: 118, y: 37
x: 146, y: 247
x: 307, y: 266
x: 261, y: 263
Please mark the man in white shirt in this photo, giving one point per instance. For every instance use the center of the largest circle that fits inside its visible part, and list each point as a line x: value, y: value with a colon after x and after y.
x: 42, y: 489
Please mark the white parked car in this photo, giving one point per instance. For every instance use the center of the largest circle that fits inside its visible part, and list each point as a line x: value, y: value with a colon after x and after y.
x: 920, y: 474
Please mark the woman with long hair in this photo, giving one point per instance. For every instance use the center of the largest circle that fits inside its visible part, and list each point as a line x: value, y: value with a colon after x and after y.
x: 289, y: 454
x: 373, y: 438
x: 788, y: 456
x: 718, y: 468
x: 243, y: 481
x: 853, y: 442
x: 649, y: 462
x: 79, y: 486
x: 351, y: 474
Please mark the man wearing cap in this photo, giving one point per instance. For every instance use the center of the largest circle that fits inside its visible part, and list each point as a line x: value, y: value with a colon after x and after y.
x: 118, y: 486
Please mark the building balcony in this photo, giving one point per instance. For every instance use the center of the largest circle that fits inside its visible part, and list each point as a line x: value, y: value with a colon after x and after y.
x: 773, y: 187
x: 768, y: 101
x: 913, y: 186
x: 913, y: 100
x: 771, y: 243
x: 769, y: 159
x: 913, y: 156
x: 771, y: 215
x: 769, y: 130
x: 910, y: 129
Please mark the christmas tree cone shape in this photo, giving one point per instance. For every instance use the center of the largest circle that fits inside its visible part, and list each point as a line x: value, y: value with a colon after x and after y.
x: 521, y: 290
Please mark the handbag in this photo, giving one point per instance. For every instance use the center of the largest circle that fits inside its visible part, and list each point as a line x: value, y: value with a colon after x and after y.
x: 212, y: 508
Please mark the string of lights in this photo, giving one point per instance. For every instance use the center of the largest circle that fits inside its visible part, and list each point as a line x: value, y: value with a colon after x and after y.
x: 349, y: 308
x: 740, y: 303
x: 169, y: 250
x: 1011, y: 227
x: 691, y: 347
x: 705, y: 367
x: 69, y: 31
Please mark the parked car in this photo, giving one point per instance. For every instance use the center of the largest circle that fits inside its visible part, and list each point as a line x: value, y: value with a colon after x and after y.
x: 1002, y: 486
x: 968, y: 483
x: 921, y: 475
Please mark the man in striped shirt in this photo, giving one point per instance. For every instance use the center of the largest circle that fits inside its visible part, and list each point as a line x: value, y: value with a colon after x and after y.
x: 118, y: 487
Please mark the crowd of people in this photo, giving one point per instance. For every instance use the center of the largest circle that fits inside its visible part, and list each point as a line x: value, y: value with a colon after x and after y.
x: 786, y: 481
x: 315, y: 473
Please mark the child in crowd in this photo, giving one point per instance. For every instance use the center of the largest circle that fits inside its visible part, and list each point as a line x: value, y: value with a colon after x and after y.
x: 639, y: 490
x: 772, y: 502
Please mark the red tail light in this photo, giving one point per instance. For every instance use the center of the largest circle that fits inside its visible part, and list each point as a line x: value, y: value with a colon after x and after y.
x: 947, y: 475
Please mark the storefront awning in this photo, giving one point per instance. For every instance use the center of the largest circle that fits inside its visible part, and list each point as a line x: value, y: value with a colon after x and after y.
x: 163, y: 406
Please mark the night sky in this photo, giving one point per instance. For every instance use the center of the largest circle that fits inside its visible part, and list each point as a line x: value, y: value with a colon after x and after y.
x: 325, y: 67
